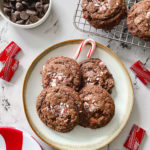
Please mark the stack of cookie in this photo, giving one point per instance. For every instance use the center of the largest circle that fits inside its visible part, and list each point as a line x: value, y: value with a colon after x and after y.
x: 106, y: 14
x: 75, y: 94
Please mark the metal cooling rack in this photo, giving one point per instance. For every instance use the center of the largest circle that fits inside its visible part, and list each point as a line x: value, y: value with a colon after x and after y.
x: 118, y: 33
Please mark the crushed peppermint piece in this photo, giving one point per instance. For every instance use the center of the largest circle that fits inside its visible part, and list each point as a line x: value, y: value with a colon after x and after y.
x: 66, y: 121
x: 86, y: 105
x: 88, y: 79
x: 88, y: 97
x: 93, y: 101
x: 89, y: 83
x: 148, y: 15
x: 43, y: 67
x: 60, y: 77
x: 96, y: 4
x: 53, y: 83
x: 91, y: 107
x: 95, y: 104
x: 102, y: 8
x: 49, y: 73
x: 97, y: 79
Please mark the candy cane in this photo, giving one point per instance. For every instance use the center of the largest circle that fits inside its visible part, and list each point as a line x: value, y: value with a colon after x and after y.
x: 85, y: 42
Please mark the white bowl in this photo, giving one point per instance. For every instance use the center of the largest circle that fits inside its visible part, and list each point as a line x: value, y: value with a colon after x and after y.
x: 33, y: 25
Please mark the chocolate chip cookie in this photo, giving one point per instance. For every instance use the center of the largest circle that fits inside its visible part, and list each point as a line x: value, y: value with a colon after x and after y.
x: 138, y: 20
x: 95, y: 72
x: 59, y: 108
x: 98, y: 105
x: 61, y: 71
x: 104, y: 14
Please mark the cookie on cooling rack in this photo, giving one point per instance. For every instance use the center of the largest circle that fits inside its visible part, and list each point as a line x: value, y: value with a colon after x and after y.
x: 59, y: 108
x: 98, y: 105
x: 95, y: 72
x: 138, y: 20
x: 103, y: 14
x: 61, y: 71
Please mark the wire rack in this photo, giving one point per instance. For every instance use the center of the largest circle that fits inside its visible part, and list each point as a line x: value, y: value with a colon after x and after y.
x: 118, y: 33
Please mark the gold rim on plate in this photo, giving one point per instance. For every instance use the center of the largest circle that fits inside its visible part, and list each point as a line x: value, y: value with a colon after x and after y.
x: 53, y: 48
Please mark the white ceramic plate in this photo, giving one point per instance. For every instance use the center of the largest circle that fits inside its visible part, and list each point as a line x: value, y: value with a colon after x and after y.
x: 79, y: 138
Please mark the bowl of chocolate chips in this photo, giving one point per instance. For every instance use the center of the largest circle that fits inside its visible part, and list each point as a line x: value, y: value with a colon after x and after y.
x: 25, y: 13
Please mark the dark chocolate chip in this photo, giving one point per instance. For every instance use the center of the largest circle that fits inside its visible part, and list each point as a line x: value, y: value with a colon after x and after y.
x: 46, y: 7
x: 25, y: 11
x: 6, y: 4
x: 27, y: 22
x: 12, y: 10
x: 17, y: 13
x: 25, y: 3
x: 34, y: 19
x: 13, y: 17
x: 7, y: 11
x: 19, y: 6
x: 41, y: 14
x: 32, y: 5
x: 44, y: 1
x: 24, y: 15
x: 31, y: 12
x: 39, y: 6
x: 20, y: 22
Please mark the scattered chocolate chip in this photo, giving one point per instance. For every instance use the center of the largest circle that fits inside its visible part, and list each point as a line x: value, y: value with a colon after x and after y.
x: 20, y: 22
x: 46, y: 7
x: 24, y: 15
x: 32, y: 6
x: 27, y: 22
x: 13, y: 17
x: 19, y: 6
x: 31, y: 12
x: 45, y: 1
x: 7, y: 11
x: 25, y: 3
x: 34, y: 19
x: 41, y: 14
x: 39, y: 6
x: 17, y: 13
x: 6, y: 4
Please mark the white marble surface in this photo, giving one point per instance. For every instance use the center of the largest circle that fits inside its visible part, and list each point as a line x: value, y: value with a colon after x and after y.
x: 59, y: 27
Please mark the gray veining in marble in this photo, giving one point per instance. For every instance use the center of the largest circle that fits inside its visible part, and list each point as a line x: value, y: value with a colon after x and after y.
x: 59, y: 27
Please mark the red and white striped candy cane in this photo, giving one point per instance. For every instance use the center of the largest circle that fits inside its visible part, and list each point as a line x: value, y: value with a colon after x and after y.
x: 85, y: 42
